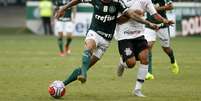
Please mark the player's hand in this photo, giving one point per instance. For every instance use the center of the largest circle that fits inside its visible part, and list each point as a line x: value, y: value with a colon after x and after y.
x: 168, y: 22
x: 60, y: 12
x: 169, y: 6
x: 153, y: 26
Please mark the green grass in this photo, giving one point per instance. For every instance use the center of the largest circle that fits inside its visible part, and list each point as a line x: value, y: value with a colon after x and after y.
x: 29, y: 62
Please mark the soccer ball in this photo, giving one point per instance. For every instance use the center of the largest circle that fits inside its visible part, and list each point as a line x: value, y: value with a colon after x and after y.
x: 56, y: 89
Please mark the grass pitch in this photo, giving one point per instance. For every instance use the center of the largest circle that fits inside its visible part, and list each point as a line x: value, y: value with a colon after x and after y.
x: 29, y: 62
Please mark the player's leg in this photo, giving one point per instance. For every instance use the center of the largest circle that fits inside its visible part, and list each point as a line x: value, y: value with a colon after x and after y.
x: 127, y: 59
x: 69, y: 31
x: 44, y: 25
x: 141, y: 50
x: 77, y: 71
x: 59, y: 32
x: 90, y: 45
x: 99, y: 47
x: 150, y: 36
x: 165, y: 43
x: 80, y: 73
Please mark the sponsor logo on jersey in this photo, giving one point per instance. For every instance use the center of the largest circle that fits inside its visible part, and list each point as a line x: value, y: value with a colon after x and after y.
x: 112, y: 9
x: 105, y: 18
x: 105, y: 34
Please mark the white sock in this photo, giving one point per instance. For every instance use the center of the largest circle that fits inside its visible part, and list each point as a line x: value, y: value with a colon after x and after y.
x: 142, y: 72
x: 123, y: 63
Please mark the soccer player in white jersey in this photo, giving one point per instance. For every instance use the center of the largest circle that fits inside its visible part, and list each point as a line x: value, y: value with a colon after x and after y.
x: 131, y: 42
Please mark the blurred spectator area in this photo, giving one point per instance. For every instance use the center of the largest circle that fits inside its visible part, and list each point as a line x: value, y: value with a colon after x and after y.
x: 12, y: 16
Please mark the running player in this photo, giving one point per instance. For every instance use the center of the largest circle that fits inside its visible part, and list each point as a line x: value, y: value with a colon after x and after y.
x: 131, y: 42
x: 100, y: 32
x: 164, y: 38
x: 64, y: 27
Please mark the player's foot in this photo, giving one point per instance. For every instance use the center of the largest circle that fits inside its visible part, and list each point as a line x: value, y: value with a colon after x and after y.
x: 120, y: 68
x: 67, y: 50
x: 81, y: 78
x: 149, y: 76
x: 137, y: 92
x: 175, y: 68
x: 61, y: 54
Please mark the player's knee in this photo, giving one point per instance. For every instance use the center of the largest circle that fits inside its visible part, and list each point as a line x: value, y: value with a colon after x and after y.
x: 130, y: 63
x: 145, y: 62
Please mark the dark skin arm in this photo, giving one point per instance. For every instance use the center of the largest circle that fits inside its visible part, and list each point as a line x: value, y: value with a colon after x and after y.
x: 124, y: 18
x: 168, y: 6
x: 133, y: 15
x: 61, y: 11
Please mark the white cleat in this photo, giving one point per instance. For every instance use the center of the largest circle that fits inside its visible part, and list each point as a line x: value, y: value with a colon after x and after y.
x: 138, y: 93
x: 120, y: 70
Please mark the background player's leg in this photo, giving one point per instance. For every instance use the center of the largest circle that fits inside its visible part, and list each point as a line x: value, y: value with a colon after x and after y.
x: 68, y: 41
x: 150, y: 75
x: 165, y: 43
x: 60, y: 43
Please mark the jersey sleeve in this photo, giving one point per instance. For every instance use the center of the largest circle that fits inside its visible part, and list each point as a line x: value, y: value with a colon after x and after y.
x: 122, y: 6
x: 168, y: 1
x: 150, y: 7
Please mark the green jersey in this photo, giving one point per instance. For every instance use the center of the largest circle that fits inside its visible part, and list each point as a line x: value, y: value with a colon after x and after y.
x: 162, y: 13
x: 104, y: 16
x: 68, y: 13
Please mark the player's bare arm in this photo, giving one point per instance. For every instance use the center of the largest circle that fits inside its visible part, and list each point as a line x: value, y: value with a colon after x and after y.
x: 133, y: 15
x: 122, y: 19
x: 61, y: 11
x: 163, y: 20
x: 168, y: 6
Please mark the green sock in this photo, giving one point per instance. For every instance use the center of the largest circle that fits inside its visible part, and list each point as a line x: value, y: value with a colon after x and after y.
x: 171, y: 56
x: 60, y: 44
x: 73, y: 76
x: 150, y: 62
x: 85, y: 62
x: 68, y: 41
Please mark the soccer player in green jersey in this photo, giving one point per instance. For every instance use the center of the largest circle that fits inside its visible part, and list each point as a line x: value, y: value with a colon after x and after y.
x: 64, y: 27
x: 163, y: 33
x: 100, y: 32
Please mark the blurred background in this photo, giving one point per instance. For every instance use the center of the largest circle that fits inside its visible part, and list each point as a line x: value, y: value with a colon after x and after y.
x: 25, y: 14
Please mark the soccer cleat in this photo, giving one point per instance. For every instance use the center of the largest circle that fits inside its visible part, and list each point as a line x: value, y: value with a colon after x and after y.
x: 62, y: 54
x: 81, y: 78
x: 175, y: 68
x: 67, y: 50
x: 149, y: 76
x: 120, y: 70
x: 137, y: 92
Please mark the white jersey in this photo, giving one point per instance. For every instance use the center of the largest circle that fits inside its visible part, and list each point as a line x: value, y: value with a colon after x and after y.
x: 133, y: 29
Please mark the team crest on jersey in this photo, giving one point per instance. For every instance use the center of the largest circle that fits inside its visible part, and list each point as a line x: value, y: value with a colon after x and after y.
x: 112, y: 9
x: 128, y: 51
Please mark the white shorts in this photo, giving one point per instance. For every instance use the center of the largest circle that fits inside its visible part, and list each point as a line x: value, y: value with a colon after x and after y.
x: 101, y: 43
x: 64, y: 26
x: 162, y: 34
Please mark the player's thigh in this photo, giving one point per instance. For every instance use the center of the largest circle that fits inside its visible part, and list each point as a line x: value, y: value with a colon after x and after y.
x: 164, y: 37
x: 58, y: 27
x: 102, y: 47
x: 68, y: 28
x: 150, y: 35
x: 125, y: 48
x: 140, y: 46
